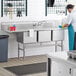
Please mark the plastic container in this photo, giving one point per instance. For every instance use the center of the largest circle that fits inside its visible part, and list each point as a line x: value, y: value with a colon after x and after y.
x: 12, y: 28
x: 3, y: 48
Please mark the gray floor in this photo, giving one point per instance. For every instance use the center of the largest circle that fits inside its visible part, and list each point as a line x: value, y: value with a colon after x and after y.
x: 27, y: 61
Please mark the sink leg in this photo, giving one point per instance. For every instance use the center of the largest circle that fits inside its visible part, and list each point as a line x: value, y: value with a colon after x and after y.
x: 18, y: 51
x: 61, y: 45
x: 55, y: 46
x: 23, y: 50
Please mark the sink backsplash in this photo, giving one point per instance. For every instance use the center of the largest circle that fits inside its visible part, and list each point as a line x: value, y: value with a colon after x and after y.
x: 30, y: 24
x: 19, y: 25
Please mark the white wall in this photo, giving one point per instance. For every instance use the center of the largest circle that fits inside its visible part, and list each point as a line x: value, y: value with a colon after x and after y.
x: 36, y: 8
x: 36, y: 11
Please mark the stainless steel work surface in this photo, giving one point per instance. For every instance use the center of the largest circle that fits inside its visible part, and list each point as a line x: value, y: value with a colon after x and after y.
x: 62, y: 57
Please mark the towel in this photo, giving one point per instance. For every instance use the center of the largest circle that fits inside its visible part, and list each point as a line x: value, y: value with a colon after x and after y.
x: 31, y: 32
x: 71, y: 37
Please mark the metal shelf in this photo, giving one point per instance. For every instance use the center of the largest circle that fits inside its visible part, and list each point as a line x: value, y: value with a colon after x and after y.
x: 17, y: 7
x: 57, y: 8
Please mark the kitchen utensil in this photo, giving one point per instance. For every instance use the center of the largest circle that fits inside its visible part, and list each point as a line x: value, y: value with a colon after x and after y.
x: 19, y: 13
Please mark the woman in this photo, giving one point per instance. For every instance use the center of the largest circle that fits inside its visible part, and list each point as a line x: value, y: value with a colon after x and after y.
x: 71, y: 24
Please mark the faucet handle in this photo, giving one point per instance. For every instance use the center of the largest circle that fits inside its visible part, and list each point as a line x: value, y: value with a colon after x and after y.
x: 41, y: 23
x: 34, y: 25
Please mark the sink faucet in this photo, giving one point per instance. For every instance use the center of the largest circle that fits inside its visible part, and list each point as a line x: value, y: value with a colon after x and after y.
x: 34, y: 25
x: 40, y: 23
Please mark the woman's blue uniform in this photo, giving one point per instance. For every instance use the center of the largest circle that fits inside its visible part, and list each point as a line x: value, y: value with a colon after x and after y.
x: 71, y: 36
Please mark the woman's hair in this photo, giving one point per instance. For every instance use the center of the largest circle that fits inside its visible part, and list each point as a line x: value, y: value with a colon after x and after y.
x: 69, y: 6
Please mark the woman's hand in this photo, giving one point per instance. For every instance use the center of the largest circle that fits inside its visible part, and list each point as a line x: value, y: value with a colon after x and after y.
x: 65, y: 25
